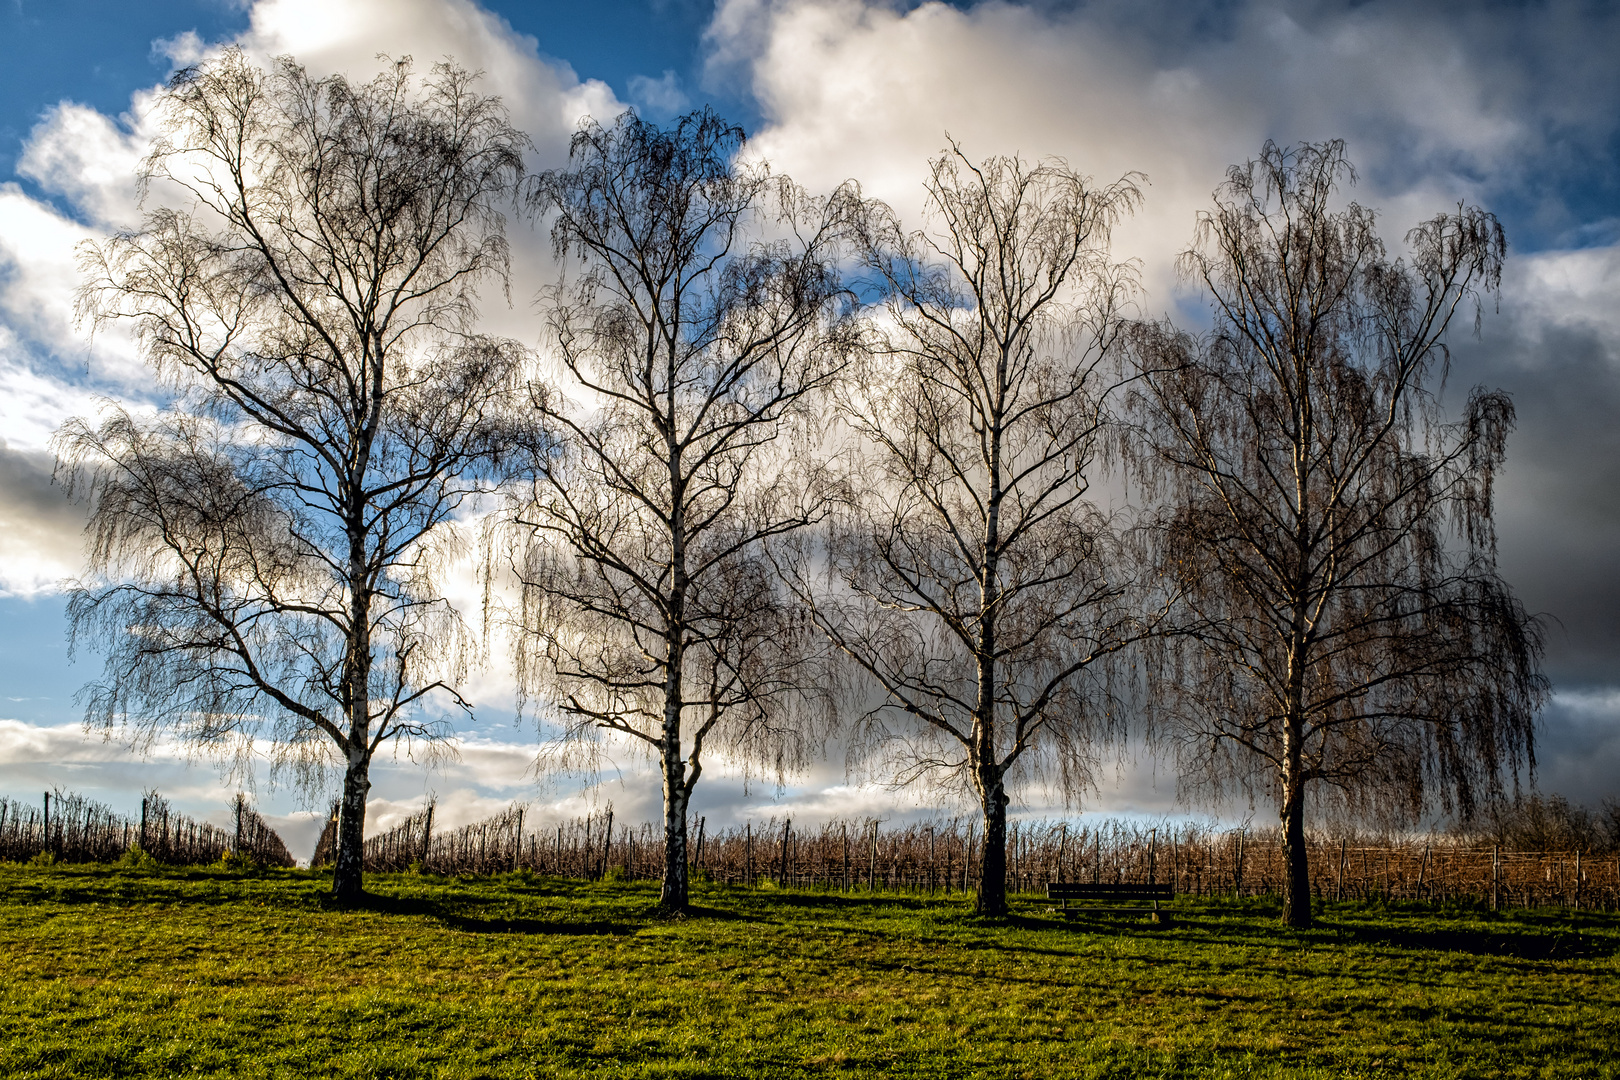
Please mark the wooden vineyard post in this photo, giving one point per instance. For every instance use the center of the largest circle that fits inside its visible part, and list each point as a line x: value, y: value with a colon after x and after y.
x: 1063, y: 842
x: 517, y: 842
x: 1096, y: 857
x: 1237, y: 868
x: 45, y: 822
x: 1153, y: 856
x: 1577, y: 879
x: 427, y: 833
x: 871, y: 863
x: 844, y: 828
x: 782, y: 878
x: 557, y: 867
x: 1496, y: 875
x: 702, y: 822
x: 930, y: 860
x: 1338, y: 890
x: 748, y: 853
x: 630, y: 853
x: 967, y: 861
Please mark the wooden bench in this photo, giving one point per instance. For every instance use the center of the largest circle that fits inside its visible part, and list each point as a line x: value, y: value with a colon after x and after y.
x: 1070, y: 890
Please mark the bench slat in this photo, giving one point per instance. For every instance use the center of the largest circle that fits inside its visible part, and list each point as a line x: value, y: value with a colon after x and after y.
x: 1063, y: 890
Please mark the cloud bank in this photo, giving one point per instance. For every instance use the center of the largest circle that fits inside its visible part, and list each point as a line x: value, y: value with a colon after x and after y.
x: 1514, y: 107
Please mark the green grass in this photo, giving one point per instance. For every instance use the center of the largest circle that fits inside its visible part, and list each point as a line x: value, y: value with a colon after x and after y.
x: 118, y: 972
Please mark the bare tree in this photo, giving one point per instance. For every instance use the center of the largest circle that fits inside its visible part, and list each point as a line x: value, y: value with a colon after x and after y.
x: 971, y: 576
x: 1347, y: 632
x: 264, y: 553
x: 693, y: 345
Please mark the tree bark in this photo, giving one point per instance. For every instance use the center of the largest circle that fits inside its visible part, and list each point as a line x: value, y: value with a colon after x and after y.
x: 992, y: 896
x: 347, y: 880
x: 672, y: 899
x: 348, y: 875
x: 1296, y: 868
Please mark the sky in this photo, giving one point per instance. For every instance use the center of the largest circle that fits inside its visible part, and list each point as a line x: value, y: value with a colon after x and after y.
x: 1512, y: 106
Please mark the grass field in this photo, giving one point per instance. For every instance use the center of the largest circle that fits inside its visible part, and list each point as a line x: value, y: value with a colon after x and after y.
x: 115, y: 973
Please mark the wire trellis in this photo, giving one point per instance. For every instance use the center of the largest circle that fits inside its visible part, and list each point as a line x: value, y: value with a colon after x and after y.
x: 72, y: 828
x: 941, y: 856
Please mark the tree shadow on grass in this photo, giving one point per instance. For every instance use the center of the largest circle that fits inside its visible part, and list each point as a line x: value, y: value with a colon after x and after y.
x: 1521, y: 935
x: 464, y: 914
x: 1563, y: 941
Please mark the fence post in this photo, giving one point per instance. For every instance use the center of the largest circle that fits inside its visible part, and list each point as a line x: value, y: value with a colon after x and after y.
x: 967, y: 860
x: 748, y: 853
x: 1496, y: 875
x: 517, y: 845
x: 45, y: 833
x: 871, y: 865
x: 1153, y: 857
x: 1013, y: 864
x: 844, y: 830
x: 782, y: 875
x: 1338, y: 890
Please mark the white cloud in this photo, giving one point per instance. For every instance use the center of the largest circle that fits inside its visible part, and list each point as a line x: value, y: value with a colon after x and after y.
x: 38, y: 275
x: 662, y: 96
x: 90, y: 159
x: 181, y: 50
x: 1570, y: 289
x: 547, y: 100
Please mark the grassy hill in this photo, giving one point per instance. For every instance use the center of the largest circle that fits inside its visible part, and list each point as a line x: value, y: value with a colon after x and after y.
x: 114, y: 972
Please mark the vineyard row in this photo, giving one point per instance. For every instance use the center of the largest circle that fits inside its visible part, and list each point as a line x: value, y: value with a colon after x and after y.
x: 941, y: 856
x: 72, y: 828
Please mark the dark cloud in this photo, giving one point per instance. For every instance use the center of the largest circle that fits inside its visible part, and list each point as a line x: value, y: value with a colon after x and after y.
x: 1559, y: 500
x: 40, y: 529
x: 28, y: 488
x: 1579, y: 754
x: 1529, y: 91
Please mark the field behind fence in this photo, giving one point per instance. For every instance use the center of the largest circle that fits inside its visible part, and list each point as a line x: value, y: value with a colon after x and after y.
x: 72, y: 828
x: 941, y: 856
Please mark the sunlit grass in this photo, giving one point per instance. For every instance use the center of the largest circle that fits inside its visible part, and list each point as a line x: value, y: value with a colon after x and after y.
x: 204, y: 973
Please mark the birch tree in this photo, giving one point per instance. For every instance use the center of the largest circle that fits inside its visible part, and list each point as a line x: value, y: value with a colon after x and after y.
x: 706, y: 317
x: 1346, y: 633
x: 970, y: 575
x: 264, y: 553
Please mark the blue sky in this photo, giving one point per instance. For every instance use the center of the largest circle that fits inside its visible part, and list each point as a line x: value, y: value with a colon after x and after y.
x: 1513, y: 106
